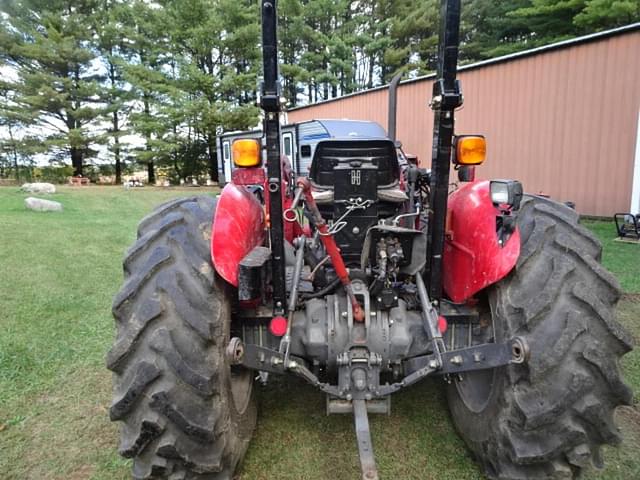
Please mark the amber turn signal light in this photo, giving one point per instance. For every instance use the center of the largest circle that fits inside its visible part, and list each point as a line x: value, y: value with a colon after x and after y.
x: 246, y: 152
x: 470, y: 150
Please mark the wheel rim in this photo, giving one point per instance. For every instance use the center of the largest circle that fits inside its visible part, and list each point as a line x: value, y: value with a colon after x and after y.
x: 476, y: 388
x: 240, y: 378
x: 241, y: 381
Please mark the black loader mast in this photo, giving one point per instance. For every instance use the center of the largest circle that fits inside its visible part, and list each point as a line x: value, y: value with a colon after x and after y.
x: 447, y: 96
x: 270, y: 104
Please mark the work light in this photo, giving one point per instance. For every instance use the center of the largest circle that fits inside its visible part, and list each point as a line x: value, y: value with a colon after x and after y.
x: 506, y: 192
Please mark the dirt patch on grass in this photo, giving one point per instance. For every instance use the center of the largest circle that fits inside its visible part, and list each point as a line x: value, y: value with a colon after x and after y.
x: 631, y: 297
x: 630, y: 416
x: 84, y: 472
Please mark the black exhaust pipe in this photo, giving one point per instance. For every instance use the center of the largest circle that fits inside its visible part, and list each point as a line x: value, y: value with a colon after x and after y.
x: 393, y: 106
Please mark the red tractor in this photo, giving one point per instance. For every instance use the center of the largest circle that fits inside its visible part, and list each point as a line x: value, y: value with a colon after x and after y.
x: 364, y: 278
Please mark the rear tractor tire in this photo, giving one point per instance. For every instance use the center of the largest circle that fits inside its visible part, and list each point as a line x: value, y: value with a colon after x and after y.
x: 548, y: 418
x: 186, y: 413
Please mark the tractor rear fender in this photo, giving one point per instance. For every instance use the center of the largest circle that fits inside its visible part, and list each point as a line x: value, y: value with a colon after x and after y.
x: 238, y: 227
x: 473, y: 257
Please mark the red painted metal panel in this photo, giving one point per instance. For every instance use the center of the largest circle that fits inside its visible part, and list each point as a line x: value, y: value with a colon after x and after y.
x: 473, y: 259
x: 249, y: 176
x: 238, y: 227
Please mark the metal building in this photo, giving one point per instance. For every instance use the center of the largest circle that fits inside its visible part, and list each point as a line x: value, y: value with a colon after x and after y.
x: 564, y: 118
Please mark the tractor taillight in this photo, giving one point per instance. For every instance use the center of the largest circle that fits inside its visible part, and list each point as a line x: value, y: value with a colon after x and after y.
x: 246, y: 152
x: 442, y: 324
x: 278, y: 326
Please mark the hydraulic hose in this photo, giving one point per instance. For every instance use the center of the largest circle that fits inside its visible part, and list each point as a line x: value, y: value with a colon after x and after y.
x: 330, y: 246
x: 323, y: 291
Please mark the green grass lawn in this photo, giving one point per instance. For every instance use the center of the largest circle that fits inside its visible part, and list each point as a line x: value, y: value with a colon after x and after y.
x: 623, y: 259
x: 58, y: 274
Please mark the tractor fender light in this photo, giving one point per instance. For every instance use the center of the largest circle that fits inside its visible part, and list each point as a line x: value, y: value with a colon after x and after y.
x: 278, y: 326
x: 470, y: 150
x: 246, y: 152
x: 506, y: 192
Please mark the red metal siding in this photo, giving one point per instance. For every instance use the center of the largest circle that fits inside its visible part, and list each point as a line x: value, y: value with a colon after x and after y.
x: 563, y: 121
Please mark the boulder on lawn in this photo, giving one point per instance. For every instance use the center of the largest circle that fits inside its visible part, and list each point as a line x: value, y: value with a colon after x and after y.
x: 38, y: 188
x: 41, y: 205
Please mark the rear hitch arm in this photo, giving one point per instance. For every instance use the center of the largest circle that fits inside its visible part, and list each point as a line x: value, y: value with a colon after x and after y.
x: 479, y: 357
x: 455, y: 361
x: 263, y: 359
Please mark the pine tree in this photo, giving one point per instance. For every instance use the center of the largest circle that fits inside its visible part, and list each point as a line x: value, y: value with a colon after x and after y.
x: 148, y: 46
x: 488, y: 29
x: 407, y: 42
x: 47, y: 44
x: 175, y: 72
x: 601, y: 14
x: 111, y: 34
x: 12, y: 120
x: 218, y: 59
x: 290, y: 30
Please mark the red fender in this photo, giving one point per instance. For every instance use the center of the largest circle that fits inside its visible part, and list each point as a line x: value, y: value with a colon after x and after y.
x: 473, y: 259
x: 238, y: 227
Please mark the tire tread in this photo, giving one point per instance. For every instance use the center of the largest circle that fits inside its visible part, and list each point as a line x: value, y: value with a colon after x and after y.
x: 555, y: 413
x: 175, y: 413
